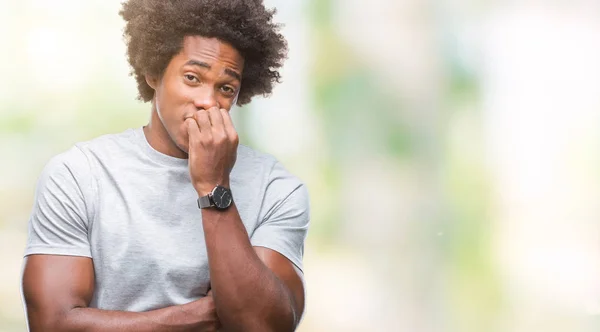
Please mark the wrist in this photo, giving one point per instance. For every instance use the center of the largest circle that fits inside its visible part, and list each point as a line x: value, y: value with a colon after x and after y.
x: 204, y: 189
x: 186, y: 316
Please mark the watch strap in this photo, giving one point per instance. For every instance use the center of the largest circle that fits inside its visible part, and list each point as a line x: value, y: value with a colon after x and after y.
x: 204, y: 202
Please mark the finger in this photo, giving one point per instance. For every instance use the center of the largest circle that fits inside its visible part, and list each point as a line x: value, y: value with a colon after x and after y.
x: 216, y: 118
x: 229, y: 127
x: 203, y: 121
x: 193, y: 130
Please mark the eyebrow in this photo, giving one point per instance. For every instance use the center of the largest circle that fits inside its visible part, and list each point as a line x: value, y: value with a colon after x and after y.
x: 207, y: 66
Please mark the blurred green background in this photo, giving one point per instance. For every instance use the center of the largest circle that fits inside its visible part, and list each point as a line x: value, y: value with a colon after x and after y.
x: 451, y: 149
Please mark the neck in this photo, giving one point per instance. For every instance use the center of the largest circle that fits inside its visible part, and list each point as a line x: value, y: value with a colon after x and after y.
x: 158, y: 137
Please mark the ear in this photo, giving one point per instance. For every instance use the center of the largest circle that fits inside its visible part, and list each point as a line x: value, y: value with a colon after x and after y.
x: 151, y: 81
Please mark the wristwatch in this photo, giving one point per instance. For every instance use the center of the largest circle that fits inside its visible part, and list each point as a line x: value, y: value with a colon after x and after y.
x: 220, y: 198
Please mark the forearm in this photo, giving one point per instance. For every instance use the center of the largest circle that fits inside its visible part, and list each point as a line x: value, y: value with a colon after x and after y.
x: 248, y: 295
x: 182, y: 318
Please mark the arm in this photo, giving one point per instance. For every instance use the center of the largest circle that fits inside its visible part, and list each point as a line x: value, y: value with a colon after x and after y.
x: 58, y: 289
x: 58, y: 277
x: 255, y: 289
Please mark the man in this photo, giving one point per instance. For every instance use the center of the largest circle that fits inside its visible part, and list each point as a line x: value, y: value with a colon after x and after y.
x: 173, y: 226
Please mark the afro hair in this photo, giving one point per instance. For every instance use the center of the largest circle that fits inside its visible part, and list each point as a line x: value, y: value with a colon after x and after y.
x: 155, y: 30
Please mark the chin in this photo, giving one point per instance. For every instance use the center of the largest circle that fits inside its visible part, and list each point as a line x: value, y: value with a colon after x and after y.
x: 180, y: 142
x: 183, y: 147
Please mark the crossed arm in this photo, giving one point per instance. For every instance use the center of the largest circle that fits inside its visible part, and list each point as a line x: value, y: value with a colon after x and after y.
x: 253, y: 288
x: 58, y: 290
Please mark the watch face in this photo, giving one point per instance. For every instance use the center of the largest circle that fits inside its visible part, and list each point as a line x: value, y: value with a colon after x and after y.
x: 222, y: 197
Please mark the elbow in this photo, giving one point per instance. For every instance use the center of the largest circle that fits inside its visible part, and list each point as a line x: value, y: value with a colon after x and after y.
x: 281, y: 320
x: 57, y: 322
x: 47, y: 324
x: 42, y: 320
x: 255, y: 325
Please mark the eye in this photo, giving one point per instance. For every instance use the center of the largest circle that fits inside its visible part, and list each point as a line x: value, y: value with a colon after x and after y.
x: 228, y: 90
x: 191, y: 78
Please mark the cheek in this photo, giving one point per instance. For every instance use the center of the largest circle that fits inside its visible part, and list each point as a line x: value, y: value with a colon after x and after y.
x: 172, y: 99
x: 180, y: 94
x: 226, y: 103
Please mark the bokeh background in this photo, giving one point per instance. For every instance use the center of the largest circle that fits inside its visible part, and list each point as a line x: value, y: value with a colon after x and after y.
x: 451, y: 149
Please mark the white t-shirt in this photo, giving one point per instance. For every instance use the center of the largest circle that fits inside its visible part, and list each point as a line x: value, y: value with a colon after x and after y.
x: 133, y: 210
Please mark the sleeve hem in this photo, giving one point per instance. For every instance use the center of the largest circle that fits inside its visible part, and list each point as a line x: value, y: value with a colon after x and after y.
x: 47, y: 250
x: 296, y: 261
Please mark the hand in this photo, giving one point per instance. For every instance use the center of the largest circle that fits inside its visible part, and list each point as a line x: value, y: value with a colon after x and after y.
x: 205, y: 313
x: 212, y: 149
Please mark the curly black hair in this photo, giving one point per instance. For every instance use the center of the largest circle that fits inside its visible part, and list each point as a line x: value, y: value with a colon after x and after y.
x: 155, y: 30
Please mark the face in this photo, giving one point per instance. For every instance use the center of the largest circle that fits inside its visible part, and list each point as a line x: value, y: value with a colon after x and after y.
x: 206, y: 73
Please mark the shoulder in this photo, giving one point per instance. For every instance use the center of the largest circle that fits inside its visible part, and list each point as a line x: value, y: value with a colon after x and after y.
x: 76, y: 159
x: 69, y: 164
x: 278, y: 183
x: 251, y: 164
x: 108, y: 143
x: 64, y: 188
x: 260, y: 164
x: 73, y: 169
x: 249, y: 157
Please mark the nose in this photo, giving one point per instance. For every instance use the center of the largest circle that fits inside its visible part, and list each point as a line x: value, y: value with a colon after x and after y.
x: 205, y: 98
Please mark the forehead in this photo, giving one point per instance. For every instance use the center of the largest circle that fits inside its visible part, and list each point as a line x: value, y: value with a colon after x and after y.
x: 212, y: 51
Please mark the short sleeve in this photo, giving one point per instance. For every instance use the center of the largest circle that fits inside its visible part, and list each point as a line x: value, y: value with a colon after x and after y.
x: 58, y: 224
x: 285, y: 216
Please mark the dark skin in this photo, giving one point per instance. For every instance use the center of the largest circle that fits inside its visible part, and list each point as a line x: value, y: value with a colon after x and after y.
x: 190, y: 119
